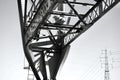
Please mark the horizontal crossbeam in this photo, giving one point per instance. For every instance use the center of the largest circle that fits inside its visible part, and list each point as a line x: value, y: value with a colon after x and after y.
x: 65, y: 14
x: 60, y: 26
x: 80, y: 3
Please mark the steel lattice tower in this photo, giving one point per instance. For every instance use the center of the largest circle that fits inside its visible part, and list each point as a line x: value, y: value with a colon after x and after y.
x: 48, y: 28
x: 107, y: 71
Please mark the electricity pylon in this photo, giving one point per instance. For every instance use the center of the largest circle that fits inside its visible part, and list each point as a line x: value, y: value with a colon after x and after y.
x: 107, y: 71
x: 48, y: 28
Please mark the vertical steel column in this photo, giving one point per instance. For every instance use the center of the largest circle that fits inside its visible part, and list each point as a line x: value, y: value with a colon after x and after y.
x: 23, y: 40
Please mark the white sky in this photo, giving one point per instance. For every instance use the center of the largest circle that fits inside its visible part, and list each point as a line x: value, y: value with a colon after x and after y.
x: 83, y: 60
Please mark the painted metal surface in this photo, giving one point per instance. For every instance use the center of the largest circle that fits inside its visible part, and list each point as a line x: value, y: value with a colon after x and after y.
x: 48, y: 28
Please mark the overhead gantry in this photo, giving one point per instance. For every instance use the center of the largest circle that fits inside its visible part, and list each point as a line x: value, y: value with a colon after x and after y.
x: 48, y: 27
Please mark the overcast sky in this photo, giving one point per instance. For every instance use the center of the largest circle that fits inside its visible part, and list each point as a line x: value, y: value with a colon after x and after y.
x: 83, y: 62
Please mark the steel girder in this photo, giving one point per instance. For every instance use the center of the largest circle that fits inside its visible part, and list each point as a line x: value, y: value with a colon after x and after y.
x: 49, y: 26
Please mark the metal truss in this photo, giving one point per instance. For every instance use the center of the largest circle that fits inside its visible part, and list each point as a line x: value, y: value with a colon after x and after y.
x: 48, y: 28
